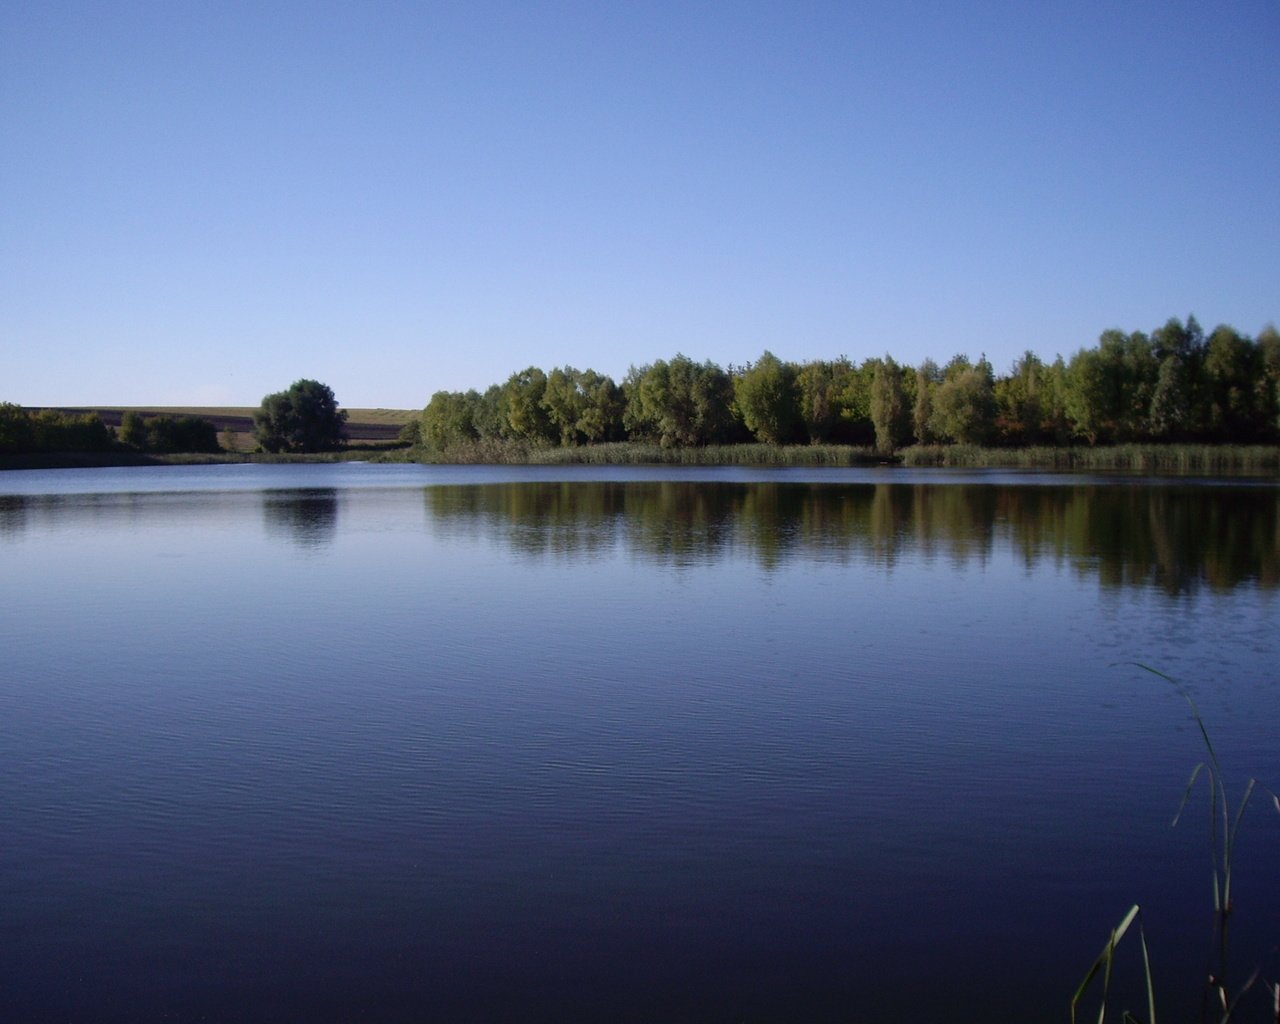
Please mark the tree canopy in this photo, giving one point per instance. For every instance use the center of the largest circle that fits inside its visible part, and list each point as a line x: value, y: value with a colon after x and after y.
x: 1174, y: 384
x: 305, y: 418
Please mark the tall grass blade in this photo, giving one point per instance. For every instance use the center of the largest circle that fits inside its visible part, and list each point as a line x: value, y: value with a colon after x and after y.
x: 1105, y: 962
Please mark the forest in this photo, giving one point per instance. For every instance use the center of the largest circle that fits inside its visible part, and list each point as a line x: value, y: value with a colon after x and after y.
x: 1173, y: 385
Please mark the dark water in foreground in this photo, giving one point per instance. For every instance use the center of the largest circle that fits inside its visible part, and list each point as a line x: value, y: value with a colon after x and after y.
x: 398, y: 743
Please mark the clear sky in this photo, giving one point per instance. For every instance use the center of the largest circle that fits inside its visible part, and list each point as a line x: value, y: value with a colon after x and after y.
x: 201, y: 202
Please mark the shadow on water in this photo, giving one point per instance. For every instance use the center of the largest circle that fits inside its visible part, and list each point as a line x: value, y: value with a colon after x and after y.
x: 1174, y: 538
x: 308, y: 518
x: 13, y: 516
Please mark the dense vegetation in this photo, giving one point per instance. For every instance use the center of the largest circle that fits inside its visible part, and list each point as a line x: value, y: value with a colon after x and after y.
x: 305, y: 418
x: 167, y: 434
x: 1174, y: 385
x: 51, y: 432
x: 46, y: 431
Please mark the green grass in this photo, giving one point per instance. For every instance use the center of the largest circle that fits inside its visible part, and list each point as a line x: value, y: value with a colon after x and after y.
x: 625, y: 453
x: 1150, y: 458
x: 1261, y: 460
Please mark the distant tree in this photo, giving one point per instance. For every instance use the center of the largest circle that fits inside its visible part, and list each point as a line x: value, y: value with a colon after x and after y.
x: 1171, y: 405
x: 964, y: 407
x: 768, y: 400
x: 584, y: 407
x: 928, y: 377
x: 1232, y: 369
x: 133, y: 430
x: 601, y: 419
x: 52, y: 431
x: 490, y: 414
x: 448, y: 419
x: 17, y: 433
x: 410, y: 434
x: 680, y: 403
x: 1019, y: 412
x: 306, y: 418
x: 1109, y: 389
x: 527, y: 418
x: 835, y: 401
x: 183, y: 434
x: 889, y: 411
x: 1269, y: 355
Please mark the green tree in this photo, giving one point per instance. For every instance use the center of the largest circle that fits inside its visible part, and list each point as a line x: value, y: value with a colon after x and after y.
x: 180, y: 434
x: 448, y: 419
x: 1232, y: 369
x: 17, y: 433
x: 526, y: 415
x: 1269, y: 356
x: 1171, y: 409
x: 133, y: 430
x: 964, y: 407
x: 489, y: 416
x: 889, y: 410
x: 583, y: 406
x: 1019, y: 402
x: 305, y: 418
x: 52, y: 431
x: 680, y: 402
x: 1110, y: 388
x: 824, y: 388
x: 768, y: 401
x: 928, y: 377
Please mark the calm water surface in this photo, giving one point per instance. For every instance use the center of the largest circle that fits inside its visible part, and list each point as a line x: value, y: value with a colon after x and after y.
x: 472, y: 744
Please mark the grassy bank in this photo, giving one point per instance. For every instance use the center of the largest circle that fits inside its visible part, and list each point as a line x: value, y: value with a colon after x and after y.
x: 1260, y: 460
x: 1190, y: 459
x: 624, y: 453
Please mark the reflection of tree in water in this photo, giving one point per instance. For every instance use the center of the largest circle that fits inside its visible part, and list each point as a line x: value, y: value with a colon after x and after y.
x: 13, y: 516
x: 1173, y: 537
x: 309, y: 518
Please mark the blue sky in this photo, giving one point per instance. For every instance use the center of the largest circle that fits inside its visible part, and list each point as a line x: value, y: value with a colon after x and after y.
x: 203, y: 202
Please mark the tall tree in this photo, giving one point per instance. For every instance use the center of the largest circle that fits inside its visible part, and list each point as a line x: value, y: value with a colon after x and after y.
x: 1170, y: 417
x: 1232, y: 369
x: 964, y: 408
x: 928, y: 377
x: 305, y: 418
x: 17, y: 434
x: 585, y: 407
x: 768, y: 401
x: 601, y: 418
x: 1269, y: 356
x: 823, y: 388
x: 133, y: 429
x: 449, y: 419
x: 1019, y: 401
x: 889, y: 412
x: 680, y: 402
x: 564, y: 404
x: 526, y: 415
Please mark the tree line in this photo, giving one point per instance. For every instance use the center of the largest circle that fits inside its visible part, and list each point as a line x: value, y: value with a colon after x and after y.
x: 46, y: 431
x: 1174, y: 384
x: 303, y: 418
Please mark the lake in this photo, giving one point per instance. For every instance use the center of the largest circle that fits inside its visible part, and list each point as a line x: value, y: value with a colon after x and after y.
x: 405, y: 743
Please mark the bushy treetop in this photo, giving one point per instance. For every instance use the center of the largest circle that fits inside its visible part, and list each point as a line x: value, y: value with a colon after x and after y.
x: 306, y: 418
